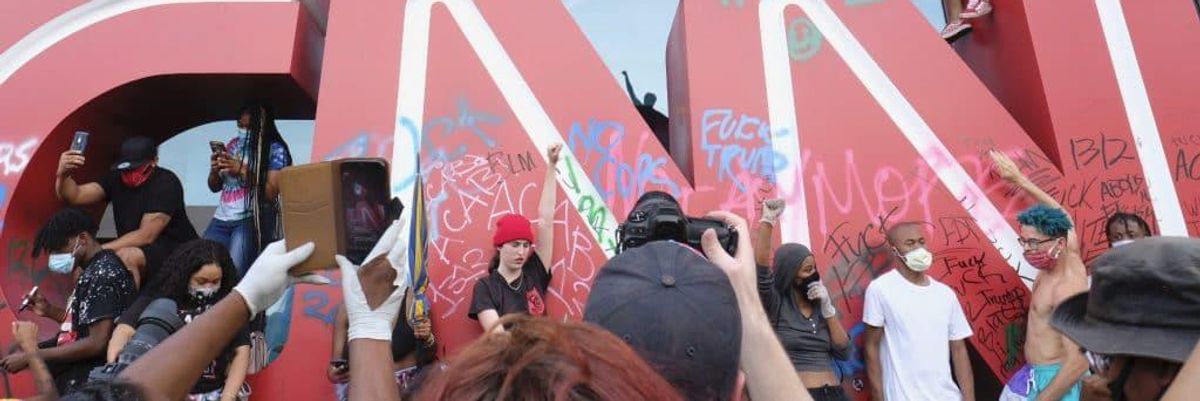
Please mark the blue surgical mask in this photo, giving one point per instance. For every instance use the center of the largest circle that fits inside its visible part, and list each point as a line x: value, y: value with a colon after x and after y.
x: 242, y: 132
x: 63, y: 263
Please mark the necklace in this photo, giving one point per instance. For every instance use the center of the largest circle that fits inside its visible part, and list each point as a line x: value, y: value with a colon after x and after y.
x: 518, y: 281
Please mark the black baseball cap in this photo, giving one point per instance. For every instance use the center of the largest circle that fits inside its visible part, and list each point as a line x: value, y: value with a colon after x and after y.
x: 677, y: 310
x: 1144, y: 301
x: 135, y: 152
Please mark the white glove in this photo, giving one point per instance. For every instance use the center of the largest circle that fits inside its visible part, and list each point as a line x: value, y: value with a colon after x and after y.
x: 376, y: 323
x: 817, y: 291
x: 268, y: 277
x: 771, y: 211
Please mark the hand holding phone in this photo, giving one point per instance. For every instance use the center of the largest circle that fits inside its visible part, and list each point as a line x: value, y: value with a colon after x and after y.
x: 80, y: 142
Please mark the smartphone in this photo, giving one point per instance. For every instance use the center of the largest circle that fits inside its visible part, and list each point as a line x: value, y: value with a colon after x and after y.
x: 339, y: 365
x: 366, y: 200
x: 216, y: 146
x: 80, y: 142
x: 26, y: 303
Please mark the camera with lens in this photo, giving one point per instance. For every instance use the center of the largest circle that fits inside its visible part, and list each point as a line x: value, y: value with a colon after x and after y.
x: 657, y: 216
x: 157, y: 322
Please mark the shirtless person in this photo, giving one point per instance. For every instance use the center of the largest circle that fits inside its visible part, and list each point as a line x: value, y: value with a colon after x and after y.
x: 1052, y: 246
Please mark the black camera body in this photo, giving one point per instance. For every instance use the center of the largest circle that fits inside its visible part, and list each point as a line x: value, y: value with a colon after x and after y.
x: 157, y: 322
x: 657, y: 216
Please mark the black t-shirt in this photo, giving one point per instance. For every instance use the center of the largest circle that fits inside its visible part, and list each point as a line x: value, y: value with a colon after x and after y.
x: 213, y: 377
x: 104, y: 290
x: 527, y: 294
x: 162, y: 193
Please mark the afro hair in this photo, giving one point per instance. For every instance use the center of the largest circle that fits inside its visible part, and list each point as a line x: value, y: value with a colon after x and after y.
x: 1048, y: 220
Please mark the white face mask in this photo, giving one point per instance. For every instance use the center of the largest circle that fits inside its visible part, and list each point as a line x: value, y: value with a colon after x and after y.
x: 63, y: 263
x: 918, y: 260
x: 1122, y: 243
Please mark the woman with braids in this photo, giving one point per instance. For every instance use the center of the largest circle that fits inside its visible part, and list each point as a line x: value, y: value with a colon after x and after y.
x: 246, y: 174
x: 800, y: 309
x: 199, y: 274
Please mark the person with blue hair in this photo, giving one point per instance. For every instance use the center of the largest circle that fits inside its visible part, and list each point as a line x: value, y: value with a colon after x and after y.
x: 1051, y: 245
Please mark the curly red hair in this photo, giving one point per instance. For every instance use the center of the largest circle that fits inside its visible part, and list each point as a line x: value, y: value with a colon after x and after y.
x: 542, y: 359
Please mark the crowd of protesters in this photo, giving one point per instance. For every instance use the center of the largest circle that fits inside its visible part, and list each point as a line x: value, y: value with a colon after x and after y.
x: 716, y: 317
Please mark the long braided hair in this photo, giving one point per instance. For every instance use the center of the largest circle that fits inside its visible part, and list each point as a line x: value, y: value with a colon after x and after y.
x: 263, y: 134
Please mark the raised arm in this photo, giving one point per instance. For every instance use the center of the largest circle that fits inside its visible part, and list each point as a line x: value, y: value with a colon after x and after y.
x: 67, y: 189
x: 1008, y: 171
x: 545, y: 227
x: 762, y: 256
x: 769, y: 374
x: 629, y: 88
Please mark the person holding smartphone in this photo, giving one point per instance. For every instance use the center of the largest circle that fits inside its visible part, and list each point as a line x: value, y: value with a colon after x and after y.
x: 413, y: 348
x: 245, y: 171
x: 147, y: 203
x: 800, y: 310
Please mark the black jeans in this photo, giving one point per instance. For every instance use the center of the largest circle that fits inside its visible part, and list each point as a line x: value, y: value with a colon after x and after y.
x: 828, y: 393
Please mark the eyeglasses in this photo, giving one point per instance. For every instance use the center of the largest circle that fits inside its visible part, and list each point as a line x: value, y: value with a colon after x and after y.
x: 1033, y: 243
x: 1098, y: 362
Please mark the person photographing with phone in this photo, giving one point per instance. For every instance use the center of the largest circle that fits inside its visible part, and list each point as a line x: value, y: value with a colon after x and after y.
x: 147, y: 203
x: 245, y: 171
x: 800, y: 309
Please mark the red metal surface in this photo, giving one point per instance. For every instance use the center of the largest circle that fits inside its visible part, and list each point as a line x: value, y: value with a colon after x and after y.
x: 1035, y: 77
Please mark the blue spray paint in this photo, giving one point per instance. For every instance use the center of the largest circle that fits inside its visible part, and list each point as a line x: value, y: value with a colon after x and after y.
x: 738, y: 144
x: 588, y: 145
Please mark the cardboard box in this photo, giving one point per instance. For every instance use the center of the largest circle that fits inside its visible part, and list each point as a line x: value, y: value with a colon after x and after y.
x: 340, y: 206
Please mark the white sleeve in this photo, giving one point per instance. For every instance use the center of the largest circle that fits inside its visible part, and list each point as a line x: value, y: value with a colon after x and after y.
x: 959, y: 328
x: 873, y: 306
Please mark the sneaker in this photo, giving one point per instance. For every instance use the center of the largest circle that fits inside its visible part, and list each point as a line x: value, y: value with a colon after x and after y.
x: 955, y: 30
x: 976, y: 9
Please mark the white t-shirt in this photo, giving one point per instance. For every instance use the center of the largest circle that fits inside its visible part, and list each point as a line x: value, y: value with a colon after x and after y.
x: 918, y: 324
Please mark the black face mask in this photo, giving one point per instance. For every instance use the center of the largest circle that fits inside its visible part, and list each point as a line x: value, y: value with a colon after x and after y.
x: 803, y: 284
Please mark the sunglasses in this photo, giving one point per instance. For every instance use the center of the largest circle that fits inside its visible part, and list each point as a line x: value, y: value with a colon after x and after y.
x: 1099, y: 363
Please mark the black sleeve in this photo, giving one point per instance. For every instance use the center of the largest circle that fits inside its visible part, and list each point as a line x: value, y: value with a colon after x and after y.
x: 131, y: 315
x: 766, y: 291
x: 108, y: 183
x: 103, y: 301
x: 536, y: 271
x: 242, y: 337
x: 168, y: 196
x: 482, y: 299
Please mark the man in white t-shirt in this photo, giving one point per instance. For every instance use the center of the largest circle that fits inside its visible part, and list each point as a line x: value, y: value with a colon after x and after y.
x: 914, y: 326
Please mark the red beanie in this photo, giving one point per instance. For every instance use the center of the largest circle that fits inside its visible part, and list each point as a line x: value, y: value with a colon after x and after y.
x: 512, y: 227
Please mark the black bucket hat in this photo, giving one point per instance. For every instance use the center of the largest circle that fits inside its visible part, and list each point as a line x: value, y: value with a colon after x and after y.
x: 1144, y: 301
